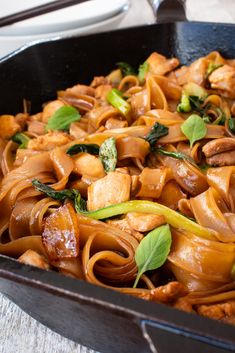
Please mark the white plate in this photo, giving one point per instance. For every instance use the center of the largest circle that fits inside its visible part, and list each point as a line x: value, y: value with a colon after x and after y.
x: 8, y: 44
x: 72, y: 17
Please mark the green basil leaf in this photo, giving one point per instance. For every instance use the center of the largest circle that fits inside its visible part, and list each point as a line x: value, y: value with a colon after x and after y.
x: 143, y: 69
x: 114, y: 97
x: 158, y: 130
x: 177, y: 155
x: 62, y: 118
x: 194, y: 128
x: 62, y: 195
x: 88, y: 147
x: 56, y: 195
x: 231, y: 124
x: 153, y: 250
x: 126, y: 68
x: 108, y: 154
x: 21, y: 139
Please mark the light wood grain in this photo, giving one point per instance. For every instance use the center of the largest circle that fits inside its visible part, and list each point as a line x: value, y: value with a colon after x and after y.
x: 19, y: 333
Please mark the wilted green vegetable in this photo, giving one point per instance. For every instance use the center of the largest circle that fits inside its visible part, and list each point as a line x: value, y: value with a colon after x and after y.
x: 158, y: 130
x: 21, y: 139
x: 114, y: 97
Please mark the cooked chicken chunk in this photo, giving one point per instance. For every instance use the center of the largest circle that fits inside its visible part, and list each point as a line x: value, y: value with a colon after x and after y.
x: 50, y: 109
x: 89, y: 166
x: 221, y: 311
x: 31, y: 257
x: 8, y: 126
x: 220, y: 152
x: 223, y: 79
x: 168, y: 293
x: 49, y: 141
x: 125, y: 226
x: 144, y: 222
x: 113, y: 188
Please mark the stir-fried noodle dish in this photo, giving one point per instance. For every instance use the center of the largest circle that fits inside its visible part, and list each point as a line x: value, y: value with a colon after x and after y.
x: 129, y: 183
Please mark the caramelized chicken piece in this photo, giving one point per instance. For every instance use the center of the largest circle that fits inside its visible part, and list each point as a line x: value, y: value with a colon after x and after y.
x: 223, y: 79
x: 89, y: 166
x: 166, y: 294
x: 79, y: 90
x: 144, y: 222
x: 8, y: 126
x: 113, y: 188
x: 49, y: 141
x: 160, y: 65
x: 102, y: 91
x: 50, y: 109
x: 98, y: 81
x: 31, y: 257
x: 60, y: 236
x: 36, y: 127
x: 222, y: 159
x: 220, y: 152
x: 221, y: 311
x: 125, y: 226
x: 197, y: 71
x: 183, y: 304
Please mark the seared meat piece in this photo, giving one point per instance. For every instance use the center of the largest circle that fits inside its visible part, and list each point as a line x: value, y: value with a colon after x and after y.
x: 113, y: 188
x: 221, y: 311
x: 166, y: 294
x: 220, y: 152
x: 219, y: 145
x: 223, y: 79
x: 49, y: 141
x: 222, y: 159
x: 144, y: 222
x: 8, y: 126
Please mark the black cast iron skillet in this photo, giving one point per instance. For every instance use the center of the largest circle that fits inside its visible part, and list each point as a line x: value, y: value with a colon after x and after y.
x: 96, y: 317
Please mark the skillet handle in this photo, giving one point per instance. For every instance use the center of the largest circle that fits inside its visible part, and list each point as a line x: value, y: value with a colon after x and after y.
x: 169, y: 10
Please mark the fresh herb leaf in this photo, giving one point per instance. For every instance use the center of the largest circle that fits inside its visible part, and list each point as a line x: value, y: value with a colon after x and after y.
x: 126, y: 68
x: 231, y: 124
x: 56, y: 195
x: 88, y: 147
x: 21, y: 139
x: 184, y: 106
x: 114, y: 97
x: 143, y: 69
x: 194, y: 128
x: 158, y: 130
x: 153, y: 250
x: 62, y: 118
x: 212, y: 67
x: 108, y: 154
x: 177, y: 155
x: 73, y: 194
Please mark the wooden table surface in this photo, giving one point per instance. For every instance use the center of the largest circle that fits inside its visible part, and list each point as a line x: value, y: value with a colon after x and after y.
x: 19, y: 333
